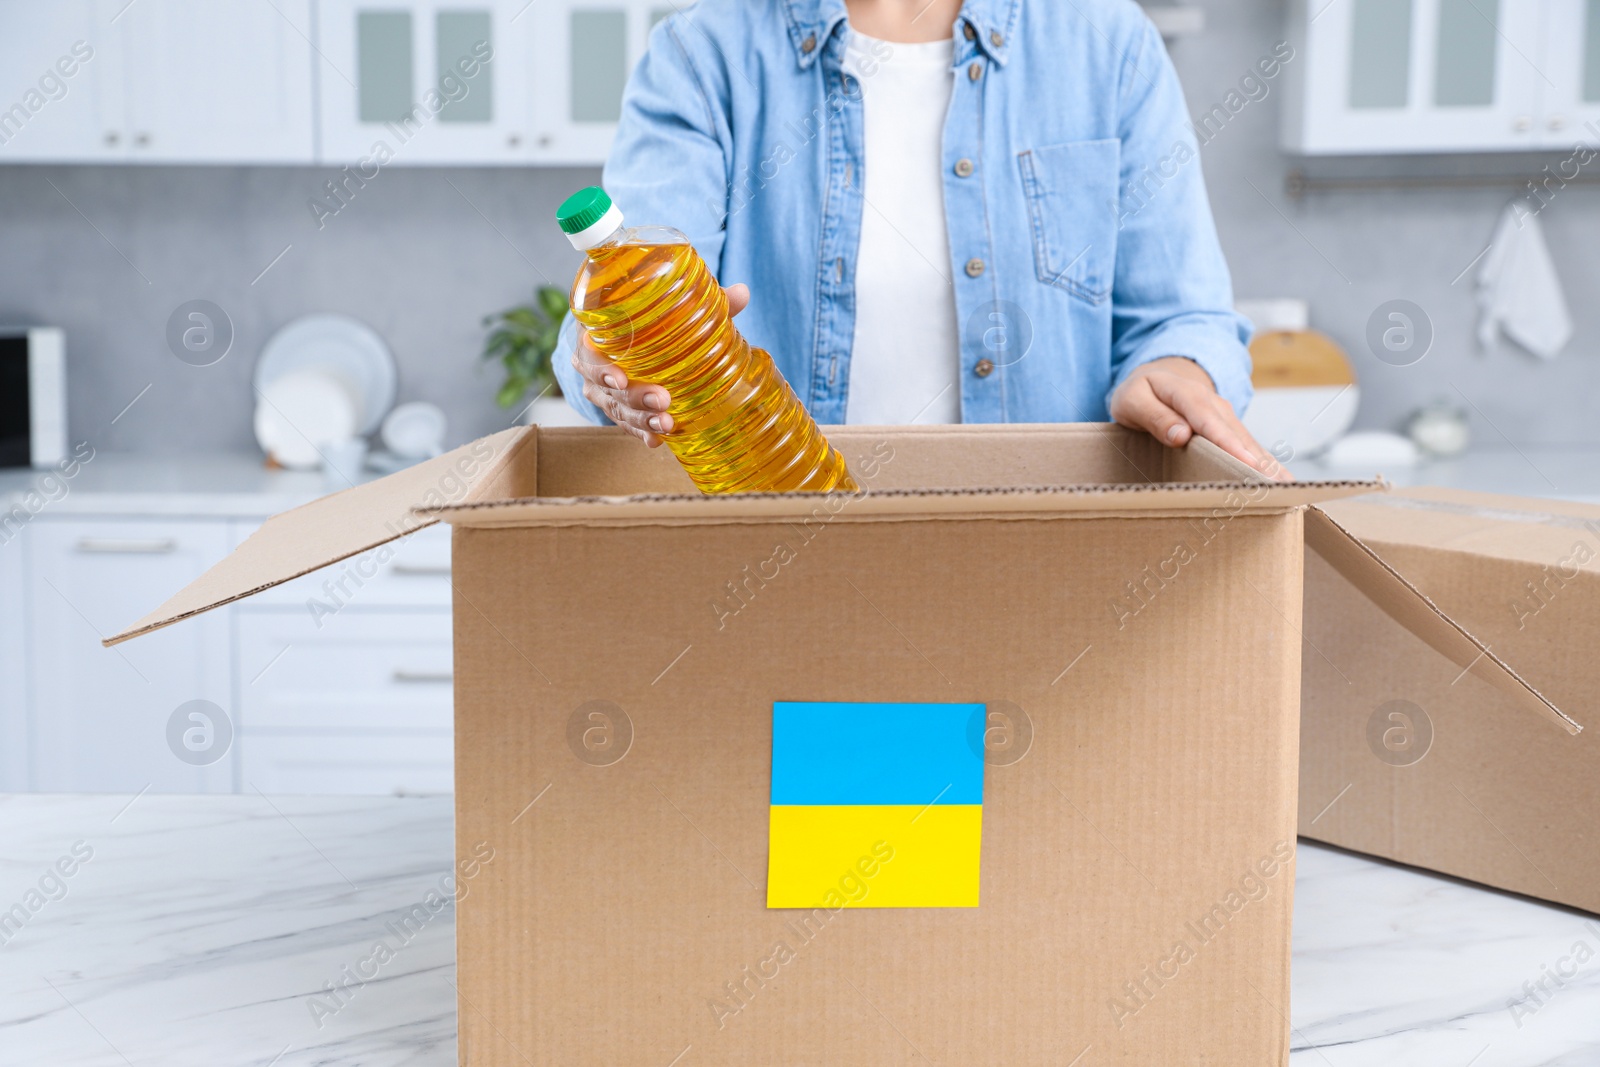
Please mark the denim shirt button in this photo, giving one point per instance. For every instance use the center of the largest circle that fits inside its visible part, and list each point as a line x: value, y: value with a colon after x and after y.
x: 975, y: 71
x: 971, y: 34
x: 974, y: 267
x: 983, y: 368
x: 995, y: 39
x: 964, y: 168
x: 809, y: 45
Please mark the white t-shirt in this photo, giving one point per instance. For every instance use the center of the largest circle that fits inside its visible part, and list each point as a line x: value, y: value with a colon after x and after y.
x: 905, y: 359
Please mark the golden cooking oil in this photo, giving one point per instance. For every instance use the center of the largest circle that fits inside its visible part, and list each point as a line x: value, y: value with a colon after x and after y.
x: 652, y: 306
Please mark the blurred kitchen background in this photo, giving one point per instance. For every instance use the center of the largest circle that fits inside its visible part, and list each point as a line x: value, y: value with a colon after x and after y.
x: 1404, y: 189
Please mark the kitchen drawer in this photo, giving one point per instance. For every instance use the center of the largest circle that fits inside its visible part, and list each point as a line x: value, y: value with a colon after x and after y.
x: 355, y: 670
x: 14, y: 739
x: 358, y: 764
x: 101, y: 719
x: 411, y: 572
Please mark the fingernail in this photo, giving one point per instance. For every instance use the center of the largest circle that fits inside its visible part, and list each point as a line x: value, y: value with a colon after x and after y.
x: 612, y: 381
x: 656, y: 424
x: 1175, y: 433
x: 653, y: 402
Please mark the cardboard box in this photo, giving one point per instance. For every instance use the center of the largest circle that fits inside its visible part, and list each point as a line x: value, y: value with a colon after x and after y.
x: 1401, y: 755
x: 1128, y: 615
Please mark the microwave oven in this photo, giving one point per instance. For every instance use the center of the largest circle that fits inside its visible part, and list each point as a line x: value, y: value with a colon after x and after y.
x: 33, y: 397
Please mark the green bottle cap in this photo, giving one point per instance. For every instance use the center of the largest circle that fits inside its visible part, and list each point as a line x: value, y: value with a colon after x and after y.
x: 583, y: 209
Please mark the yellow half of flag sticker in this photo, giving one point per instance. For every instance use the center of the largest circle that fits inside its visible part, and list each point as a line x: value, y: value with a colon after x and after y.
x: 874, y: 856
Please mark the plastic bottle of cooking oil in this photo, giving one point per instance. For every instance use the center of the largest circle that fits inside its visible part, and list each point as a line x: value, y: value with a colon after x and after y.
x: 653, y: 308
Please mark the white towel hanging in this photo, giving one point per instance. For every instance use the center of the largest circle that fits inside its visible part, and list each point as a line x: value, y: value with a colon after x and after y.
x: 1519, y: 293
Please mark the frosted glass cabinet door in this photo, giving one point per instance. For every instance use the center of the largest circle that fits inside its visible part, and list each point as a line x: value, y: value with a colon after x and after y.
x: 61, y: 98
x: 1572, y: 64
x: 218, y: 83
x: 421, y: 82
x: 1415, y: 76
x: 581, y: 53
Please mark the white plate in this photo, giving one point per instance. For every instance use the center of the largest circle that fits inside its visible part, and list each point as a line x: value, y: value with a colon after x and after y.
x: 300, y: 414
x: 338, y: 345
x: 414, y: 430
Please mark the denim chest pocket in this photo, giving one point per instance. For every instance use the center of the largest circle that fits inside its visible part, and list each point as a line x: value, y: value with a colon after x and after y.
x: 1071, y: 191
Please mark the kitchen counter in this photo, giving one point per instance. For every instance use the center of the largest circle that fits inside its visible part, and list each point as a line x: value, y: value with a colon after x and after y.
x: 229, y: 485
x: 238, y: 485
x: 205, y: 929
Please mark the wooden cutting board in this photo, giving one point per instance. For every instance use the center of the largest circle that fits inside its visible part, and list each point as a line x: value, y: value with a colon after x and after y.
x: 1286, y: 359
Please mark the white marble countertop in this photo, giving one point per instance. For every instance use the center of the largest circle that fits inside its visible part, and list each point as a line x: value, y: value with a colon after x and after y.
x: 201, y: 930
x: 239, y: 485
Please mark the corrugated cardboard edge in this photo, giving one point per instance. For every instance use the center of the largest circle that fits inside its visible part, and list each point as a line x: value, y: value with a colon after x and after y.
x: 1123, y: 498
x: 1407, y: 605
x: 348, y: 523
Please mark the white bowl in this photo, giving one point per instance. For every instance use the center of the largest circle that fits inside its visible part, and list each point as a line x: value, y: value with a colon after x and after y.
x: 414, y: 430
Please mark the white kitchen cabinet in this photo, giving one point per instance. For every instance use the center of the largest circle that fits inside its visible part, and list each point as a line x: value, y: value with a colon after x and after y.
x: 369, y: 83
x: 357, y: 702
x: 580, y: 53
x: 1412, y: 76
x: 13, y: 657
x: 357, y: 670
x: 343, y: 677
x: 100, y: 717
x: 551, y: 94
x: 351, y: 763
x: 1571, y: 112
x: 62, y: 95
x: 345, y: 689
x: 429, y: 81
x: 211, y: 82
x: 191, y: 81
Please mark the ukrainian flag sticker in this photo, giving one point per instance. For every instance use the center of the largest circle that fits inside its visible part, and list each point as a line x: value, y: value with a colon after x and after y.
x: 875, y: 805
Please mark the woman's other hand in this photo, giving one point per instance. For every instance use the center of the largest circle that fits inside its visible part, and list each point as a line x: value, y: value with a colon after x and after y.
x: 1173, y: 399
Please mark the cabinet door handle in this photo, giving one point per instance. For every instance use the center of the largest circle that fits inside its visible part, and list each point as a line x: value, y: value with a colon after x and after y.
x: 156, y: 546
x: 432, y: 569
x: 406, y: 677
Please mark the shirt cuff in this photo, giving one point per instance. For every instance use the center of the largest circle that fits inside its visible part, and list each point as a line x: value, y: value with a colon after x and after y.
x: 569, y: 379
x: 1219, y: 352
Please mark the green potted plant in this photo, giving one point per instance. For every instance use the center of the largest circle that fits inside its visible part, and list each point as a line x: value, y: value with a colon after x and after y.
x: 522, y: 339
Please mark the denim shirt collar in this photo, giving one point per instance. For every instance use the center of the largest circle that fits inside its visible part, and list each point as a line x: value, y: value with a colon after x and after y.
x: 812, y: 24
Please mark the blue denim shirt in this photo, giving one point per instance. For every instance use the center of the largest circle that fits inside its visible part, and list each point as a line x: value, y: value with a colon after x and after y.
x: 1081, y: 241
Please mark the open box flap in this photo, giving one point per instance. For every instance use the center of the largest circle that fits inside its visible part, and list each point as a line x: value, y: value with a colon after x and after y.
x: 336, y: 527
x: 1405, y: 603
